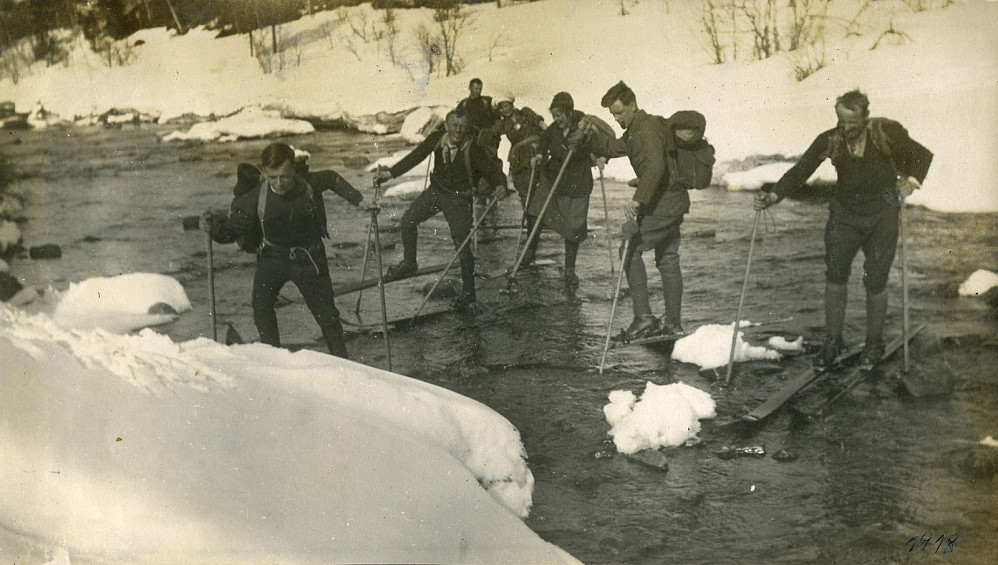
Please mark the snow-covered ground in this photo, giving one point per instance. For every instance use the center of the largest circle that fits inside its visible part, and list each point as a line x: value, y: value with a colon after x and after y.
x: 940, y: 78
x: 132, y: 448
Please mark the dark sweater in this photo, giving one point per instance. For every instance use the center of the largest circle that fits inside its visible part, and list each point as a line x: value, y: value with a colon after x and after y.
x: 865, y: 184
x: 468, y: 164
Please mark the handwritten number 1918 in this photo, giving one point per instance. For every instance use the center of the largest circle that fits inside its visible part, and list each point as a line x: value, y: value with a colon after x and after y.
x: 927, y: 538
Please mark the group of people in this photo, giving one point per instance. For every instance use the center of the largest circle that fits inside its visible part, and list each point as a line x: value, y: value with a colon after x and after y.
x: 278, y: 211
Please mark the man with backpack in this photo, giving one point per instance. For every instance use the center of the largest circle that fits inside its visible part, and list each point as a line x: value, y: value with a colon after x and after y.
x: 669, y: 157
x: 877, y: 166
x: 458, y: 165
x: 278, y: 213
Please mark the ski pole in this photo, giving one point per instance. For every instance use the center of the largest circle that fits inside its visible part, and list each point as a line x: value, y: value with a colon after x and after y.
x: 613, y: 307
x: 460, y: 248
x: 211, y: 284
x: 381, y: 276
x: 904, y: 283
x: 741, y: 300
x: 363, y: 269
x: 367, y: 244
x: 606, y: 218
x: 526, y: 205
x: 540, y: 217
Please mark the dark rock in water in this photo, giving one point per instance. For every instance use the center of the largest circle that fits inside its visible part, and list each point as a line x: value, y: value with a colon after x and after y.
x: 47, y: 251
x: 603, y: 454
x: 785, y: 456
x: 981, y: 462
x: 357, y: 161
x: 91, y: 238
x: 162, y: 308
x: 651, y: 458
x: 730, y: 452
x: 448, y: 288
x: 346, y: 244
x: 588, y: 484
x: 191, y: 223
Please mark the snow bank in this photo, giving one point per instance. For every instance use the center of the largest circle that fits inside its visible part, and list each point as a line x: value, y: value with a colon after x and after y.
x: 137, y: 449
x: 710, y: 346
x: 978, y: 283
x: 665, y: 416
x: 249, y: 122
x: 123, y: 303
x: 754, y: 178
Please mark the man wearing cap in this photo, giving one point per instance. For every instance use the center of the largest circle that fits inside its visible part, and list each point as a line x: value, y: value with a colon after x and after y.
x: 481, y: 115
x: 877, y: 166
x: 523, y: 128
x: 568, y: 209
x: 458, y: 166
x: 654, y: 213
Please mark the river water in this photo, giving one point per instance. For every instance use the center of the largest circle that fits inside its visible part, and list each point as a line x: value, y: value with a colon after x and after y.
x: 881, y: 468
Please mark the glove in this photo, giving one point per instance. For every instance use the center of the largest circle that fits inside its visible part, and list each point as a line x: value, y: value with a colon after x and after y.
x: 382, y: 175
x: 600, y: 163
x: 764, y: 200
x: 535, y: 161
x: 630, y: 228
x: 906, y: 186
x: 634, y: 182
x: 631, y: 209
x: 211, y: 222
x: 577, y: 136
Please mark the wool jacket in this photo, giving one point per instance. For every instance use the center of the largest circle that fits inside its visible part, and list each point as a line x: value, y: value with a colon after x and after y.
x: 865, y: 184
x: 458, y: 174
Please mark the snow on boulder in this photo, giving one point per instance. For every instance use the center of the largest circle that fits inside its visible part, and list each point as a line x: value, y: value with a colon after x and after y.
x: 710, y: 346
x: 121, y: 304
x: 250, y: 122
x: 421, y: 122
x: 979, y: 282
x: 665, y: 416
x: 754, y: 178
x: 123, y: 449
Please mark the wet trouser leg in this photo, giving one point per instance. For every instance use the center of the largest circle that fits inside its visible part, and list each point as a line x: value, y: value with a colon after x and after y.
x: 637, y: 281
x: 271, y: 274
x: 835, y: 310
x: 423, y: 208
x: 571, y: 253
x: 457, y: 209
x: 532, y: 245
x: 317, y: 289
x: 667, y: 261
x: 845, y: 234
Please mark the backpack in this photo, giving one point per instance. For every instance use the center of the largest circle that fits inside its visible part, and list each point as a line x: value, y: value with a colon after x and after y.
x: 689, y: 156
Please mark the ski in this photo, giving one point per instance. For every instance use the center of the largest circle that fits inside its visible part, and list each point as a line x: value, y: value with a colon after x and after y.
x: 795, y: 385
x: 850, y: 381
x: 619, y: 342
x: 370, y: 283
x: 506, y: 272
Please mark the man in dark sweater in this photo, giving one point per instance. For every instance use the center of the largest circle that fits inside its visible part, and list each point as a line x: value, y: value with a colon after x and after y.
x: 278, y: 213
x: 458, y: 165
x: 878, y: 166
x: 481, y: 115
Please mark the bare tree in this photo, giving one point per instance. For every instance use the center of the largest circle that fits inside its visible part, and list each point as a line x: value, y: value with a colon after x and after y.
x: 709, y: 21
x: 452, y: 22
x: 498, y: 40
x: 429, y: 48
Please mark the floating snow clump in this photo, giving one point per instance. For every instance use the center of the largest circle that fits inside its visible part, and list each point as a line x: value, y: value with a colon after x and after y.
x: 710, y: 346
x: 979, y: 283
x: 666, y: 416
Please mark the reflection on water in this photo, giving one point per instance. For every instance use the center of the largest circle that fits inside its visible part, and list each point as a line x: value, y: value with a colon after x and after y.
x: 882, y: 468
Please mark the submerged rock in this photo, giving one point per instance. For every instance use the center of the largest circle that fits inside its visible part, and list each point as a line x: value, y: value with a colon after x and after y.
x: 651, y: 458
